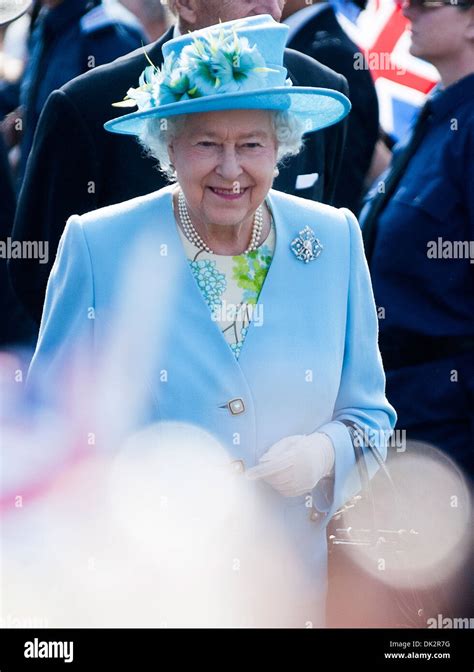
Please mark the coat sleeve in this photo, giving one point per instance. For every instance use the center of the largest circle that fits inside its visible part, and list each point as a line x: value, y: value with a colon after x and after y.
x: 62, y: 177
x: 67, y: 325
x: 361, y: 397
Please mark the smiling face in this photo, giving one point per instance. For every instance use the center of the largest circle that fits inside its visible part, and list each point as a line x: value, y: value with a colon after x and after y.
x: 225, y: 164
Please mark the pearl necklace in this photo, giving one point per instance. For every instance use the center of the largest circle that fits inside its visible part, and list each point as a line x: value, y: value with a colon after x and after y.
x: 193, y: 236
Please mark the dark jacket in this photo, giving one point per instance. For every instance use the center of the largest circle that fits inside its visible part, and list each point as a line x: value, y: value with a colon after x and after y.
x: 16, y: 328
x: 323, y: 38
x: 417, y: 234
x: 76, y: 166
x: 66, y: 41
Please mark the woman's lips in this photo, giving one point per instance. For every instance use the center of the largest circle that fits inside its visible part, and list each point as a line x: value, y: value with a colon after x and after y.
x: 228, y: 194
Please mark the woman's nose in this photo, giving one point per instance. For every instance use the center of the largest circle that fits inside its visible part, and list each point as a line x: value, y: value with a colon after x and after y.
x: 229, y: 164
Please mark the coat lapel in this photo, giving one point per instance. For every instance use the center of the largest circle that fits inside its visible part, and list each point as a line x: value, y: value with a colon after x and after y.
x: 286, y: 279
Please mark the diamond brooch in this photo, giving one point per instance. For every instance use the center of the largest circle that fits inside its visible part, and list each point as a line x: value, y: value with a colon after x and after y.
x: 306, y: 246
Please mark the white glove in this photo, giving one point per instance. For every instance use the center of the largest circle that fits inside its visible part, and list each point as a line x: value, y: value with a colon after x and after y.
x: 295, y: 464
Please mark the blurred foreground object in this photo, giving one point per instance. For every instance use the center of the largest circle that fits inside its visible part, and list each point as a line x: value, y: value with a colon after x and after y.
x: 162, y: 534
x: 402, y: 556
x: 12, y: 9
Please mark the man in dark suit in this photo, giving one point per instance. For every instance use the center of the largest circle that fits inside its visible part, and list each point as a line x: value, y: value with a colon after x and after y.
x: 76, y: 166
x: 315, y: 31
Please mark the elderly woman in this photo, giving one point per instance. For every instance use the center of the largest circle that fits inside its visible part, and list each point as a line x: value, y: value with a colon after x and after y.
x: 271, y: 344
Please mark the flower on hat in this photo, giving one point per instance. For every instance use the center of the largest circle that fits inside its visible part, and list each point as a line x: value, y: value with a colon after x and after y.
x: 173, y: 82
x: 222, y: 62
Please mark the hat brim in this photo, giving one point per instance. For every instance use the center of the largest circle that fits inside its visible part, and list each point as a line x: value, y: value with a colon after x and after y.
x: 316, y: 107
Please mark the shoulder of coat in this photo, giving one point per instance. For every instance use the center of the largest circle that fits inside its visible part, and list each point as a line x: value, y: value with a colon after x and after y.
x: 132, y: 213
x: 297, y: 213
x: 106, y: 16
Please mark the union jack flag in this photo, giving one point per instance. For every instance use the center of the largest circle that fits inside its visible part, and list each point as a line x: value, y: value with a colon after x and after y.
x: 402, y: 81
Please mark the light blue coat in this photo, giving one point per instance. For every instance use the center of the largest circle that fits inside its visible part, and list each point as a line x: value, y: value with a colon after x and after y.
x: 313, y: 362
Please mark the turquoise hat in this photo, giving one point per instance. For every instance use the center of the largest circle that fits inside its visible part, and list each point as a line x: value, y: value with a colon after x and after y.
x: 230, y: 66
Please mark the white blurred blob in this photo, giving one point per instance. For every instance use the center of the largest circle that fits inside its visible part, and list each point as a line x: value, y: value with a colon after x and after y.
x: 164, y: 534
x: 424, y: 533
x: 173, y: 475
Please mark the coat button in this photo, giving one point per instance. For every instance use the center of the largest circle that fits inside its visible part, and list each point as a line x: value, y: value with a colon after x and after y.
x: 236, y: 406
x: 315, y: 516
x: 238, y: 466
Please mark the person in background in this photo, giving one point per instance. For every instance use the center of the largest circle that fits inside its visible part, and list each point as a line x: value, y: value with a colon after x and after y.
x: 315, y: 30
x: 152, y: 15
x: 13, y: 54
x: 109, y: 170
x: 16, y: 328
x: 418, y: 227
x: 69, y: 37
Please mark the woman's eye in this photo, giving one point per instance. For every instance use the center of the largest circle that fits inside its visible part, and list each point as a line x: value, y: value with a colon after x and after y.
x: 252, y: 145
x: 206, y: 143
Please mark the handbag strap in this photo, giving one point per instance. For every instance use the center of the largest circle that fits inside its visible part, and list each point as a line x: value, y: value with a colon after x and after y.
x: 359, y: 439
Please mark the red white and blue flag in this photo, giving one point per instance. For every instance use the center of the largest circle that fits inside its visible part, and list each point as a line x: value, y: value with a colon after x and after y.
x: 402, y: 81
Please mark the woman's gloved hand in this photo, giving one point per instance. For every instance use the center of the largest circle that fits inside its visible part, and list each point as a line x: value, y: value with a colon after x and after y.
x: 295, y: 464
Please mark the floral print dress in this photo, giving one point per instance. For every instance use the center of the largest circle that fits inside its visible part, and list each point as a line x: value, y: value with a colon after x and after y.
x: 231, y: 286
